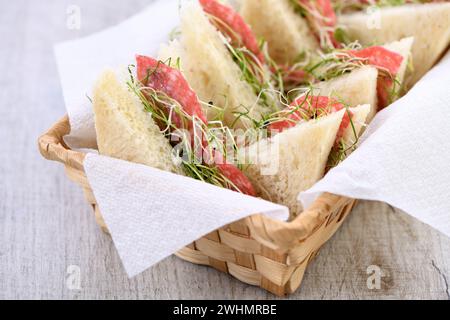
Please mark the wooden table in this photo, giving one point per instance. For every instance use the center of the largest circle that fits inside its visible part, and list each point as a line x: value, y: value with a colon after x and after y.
x: 48, y: 232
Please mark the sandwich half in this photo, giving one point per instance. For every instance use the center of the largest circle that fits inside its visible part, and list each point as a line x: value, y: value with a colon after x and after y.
x: 292, y: 161
x: 153, y: 117
x: 124, y: 130
x: 208, y: 66
x: 390, y: 60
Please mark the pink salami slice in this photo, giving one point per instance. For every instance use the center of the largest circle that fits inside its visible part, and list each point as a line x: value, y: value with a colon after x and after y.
x: 380, y: 57
x: 160, y: 77
x: 237, y: 177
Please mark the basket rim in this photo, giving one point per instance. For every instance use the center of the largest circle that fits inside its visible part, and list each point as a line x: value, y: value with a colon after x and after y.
x: 275, y: 234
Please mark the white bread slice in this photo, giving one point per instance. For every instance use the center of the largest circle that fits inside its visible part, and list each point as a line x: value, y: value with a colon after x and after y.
x: 292, y: 161
x: 210, y: 69
x: 429, y: 24
x: 124, y: 130
x: 276, y: 21
x: 358, y: 87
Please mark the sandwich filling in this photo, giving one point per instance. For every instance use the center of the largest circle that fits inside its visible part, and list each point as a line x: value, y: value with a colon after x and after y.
x: 322, y: 20
x: 338, y: 62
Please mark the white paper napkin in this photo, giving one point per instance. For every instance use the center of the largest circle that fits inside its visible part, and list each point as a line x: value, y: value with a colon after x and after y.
x: 151, y: 214
x: 404, y: 157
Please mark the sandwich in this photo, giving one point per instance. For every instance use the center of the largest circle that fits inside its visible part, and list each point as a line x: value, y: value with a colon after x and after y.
x: 125, y: 130
x: 293, y: 27
x: 223, y: 62
x: 314, y: 133
x: 292, y: 161
x: 428, y: 23
x: 390, y: 60
x: 339, y: 22
x: 319, y: 19
x: 153, y: 117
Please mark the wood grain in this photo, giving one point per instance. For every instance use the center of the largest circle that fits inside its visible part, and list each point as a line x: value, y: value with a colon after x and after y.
x: 46, y: 225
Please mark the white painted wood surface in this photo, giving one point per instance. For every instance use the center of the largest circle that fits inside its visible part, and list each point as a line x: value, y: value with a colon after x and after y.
x: 46, y: 226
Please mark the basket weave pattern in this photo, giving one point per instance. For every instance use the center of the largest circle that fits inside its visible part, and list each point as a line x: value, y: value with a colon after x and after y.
x: 256, y: 250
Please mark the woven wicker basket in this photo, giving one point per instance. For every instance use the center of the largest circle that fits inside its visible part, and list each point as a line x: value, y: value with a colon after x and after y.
x: 257, y: 250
